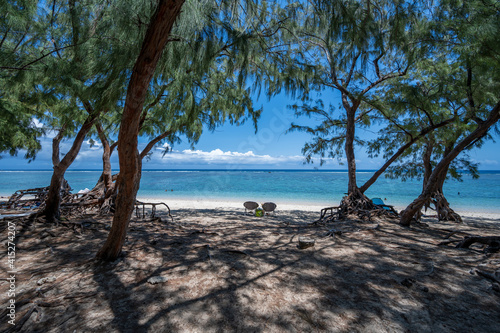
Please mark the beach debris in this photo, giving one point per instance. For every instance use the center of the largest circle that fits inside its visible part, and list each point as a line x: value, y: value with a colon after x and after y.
x: 46, y: 280
x: 259, y: 212
x: 204, y: 231
x: 407, y: 282
x: 494, y: 278
x: 236, y: 251
x: 29, y: 198
x: 305, y: 243
x: 208, y: 252
x: 333, y: 232
x: 157, y: 279
x: 493, y: 242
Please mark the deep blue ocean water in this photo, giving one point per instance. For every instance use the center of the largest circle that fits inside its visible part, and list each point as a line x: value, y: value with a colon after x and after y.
x: 281, y: 186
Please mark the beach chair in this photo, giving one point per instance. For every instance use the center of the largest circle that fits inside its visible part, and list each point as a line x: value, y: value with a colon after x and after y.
x: 328, y: 213
x: 380, y: 203
x: 268, y: 207
x: 140, y: 204
x: 250, y: 206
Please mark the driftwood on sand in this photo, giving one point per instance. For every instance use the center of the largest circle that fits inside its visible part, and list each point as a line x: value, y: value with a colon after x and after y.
x: 493, y: 242
x: 96, y: 200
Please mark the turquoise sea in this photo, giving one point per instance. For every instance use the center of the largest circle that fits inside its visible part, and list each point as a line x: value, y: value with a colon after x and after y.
x: 315, y: 187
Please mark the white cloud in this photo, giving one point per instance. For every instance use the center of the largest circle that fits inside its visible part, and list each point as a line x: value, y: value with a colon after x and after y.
x: 217, y: 156
x: 488, y: 162
x: 95, y: 146
x: 37, y: 123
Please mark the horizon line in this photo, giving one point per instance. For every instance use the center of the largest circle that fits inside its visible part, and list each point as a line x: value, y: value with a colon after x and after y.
x: 232, y: 169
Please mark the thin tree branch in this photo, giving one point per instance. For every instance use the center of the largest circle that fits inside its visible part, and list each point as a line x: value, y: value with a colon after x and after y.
x: 153, y: 142
x: 401, y: 150
x: 24, y: 67
x: 351, y: 70
x: 55, y: 145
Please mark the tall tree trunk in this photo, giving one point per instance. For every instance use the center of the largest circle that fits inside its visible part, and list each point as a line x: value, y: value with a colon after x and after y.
x: 352, y: 186
x: 53, y: 200
x: 432, y: 184
x: 130, y: 163
x: 355, y: 202
x: 106, y: 176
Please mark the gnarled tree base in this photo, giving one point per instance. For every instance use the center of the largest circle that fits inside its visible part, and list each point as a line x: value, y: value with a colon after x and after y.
x: 100, y: 197
x: 443, y: 209
x: 356, y: 204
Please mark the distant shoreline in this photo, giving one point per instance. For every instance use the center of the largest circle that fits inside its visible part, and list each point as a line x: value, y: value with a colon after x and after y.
x: 209, y: 170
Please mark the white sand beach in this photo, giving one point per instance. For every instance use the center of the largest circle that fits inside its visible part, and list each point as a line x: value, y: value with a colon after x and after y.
x: 237, y: 205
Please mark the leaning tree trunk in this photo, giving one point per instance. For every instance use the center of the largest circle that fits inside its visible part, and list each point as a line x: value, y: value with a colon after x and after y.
x: 400, y: 152
x: 431, y: 186
x: 426, y: 160
x: 130, y: 163
x: 105, y: 188
x: 53, y: 201
x: 443, y: 209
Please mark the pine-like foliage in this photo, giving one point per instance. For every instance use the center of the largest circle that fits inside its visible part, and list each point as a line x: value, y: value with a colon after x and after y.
x: 18, y: 129
x: 456, y: 79
x: 464, y: 35
x: 346, y: 49
x: 205, y: 74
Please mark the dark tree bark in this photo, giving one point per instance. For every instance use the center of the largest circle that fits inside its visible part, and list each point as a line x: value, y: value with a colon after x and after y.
x: 443, y: 209
x: 432, y: 184
x: 349, y: 143
x: 130, y: 163
x: 426, y: 161
x: 355, y: 202
x: 53, y: 201
x: 106, y: 176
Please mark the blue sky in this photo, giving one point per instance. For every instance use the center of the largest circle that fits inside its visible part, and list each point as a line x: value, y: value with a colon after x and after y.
x: 233, y: 147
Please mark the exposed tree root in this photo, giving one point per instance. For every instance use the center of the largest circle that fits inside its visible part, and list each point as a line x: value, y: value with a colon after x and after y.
x: 443, y: 209
x: 355, y: 204
x: 493, y: 242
